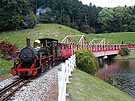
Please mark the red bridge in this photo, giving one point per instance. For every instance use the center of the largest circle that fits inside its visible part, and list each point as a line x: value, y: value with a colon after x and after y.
x: 98, y: 47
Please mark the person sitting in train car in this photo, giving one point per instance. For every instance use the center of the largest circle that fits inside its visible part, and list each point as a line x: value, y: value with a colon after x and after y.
x: 37, y: 45
x: 39, y: 49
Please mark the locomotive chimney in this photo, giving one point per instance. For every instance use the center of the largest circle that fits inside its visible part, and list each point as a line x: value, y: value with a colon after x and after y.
x: 28, y: 42
x: 27, y: 34
x: 28, y: 39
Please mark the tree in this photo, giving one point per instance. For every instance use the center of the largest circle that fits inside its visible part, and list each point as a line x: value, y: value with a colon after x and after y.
x: 72, y: 13
x: 122, y: 18
x: 105, y: 17
x: 13, y: 14
x: 131, y: 26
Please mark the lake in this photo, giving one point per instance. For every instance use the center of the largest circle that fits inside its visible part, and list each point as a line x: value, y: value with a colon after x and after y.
x: 119, y: 73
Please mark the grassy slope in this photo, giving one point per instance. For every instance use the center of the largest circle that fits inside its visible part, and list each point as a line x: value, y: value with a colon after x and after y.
x: 59, y: 32
x: 85, y: 87
x: 40, y: 31
x: 5, y: 67
x: 127, y: 37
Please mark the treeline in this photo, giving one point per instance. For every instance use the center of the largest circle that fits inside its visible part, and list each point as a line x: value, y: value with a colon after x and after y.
x: 70, y: 12
x: 17, y: 14
x: 118, y: 19
x: 87, y: 18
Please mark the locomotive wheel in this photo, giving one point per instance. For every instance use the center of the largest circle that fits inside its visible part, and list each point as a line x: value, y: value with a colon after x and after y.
x: 39, y: 71
x: 42, y: 68
x: 50, y: 65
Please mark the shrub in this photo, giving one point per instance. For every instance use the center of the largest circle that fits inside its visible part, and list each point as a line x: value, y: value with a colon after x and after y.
x: 87, y: 29
x: 86, y: 61
x: 30, y: 20
x: 7, y: 50
x: 124, y: 51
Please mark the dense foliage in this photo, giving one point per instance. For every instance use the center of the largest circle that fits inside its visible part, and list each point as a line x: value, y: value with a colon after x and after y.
x: 69, y: 12
x: 87, y: 18
x: 7, y: 50
x: 118, y: 19
x: 124, y: 52
x: 16, y: 14
x: 86, y: 61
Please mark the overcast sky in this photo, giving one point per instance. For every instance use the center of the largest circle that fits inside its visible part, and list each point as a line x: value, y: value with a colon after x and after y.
x: 110, y: 3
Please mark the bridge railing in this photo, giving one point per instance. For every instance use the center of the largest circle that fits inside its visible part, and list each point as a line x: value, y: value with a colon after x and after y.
x: 108, y: 47
x: 63, y: 76
x: 95, y: 48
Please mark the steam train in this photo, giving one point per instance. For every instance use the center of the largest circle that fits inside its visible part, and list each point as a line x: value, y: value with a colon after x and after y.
x: 44, y: 54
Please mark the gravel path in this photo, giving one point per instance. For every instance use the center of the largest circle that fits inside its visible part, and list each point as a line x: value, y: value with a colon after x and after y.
x: 7, y: 82
x: 43, y: 88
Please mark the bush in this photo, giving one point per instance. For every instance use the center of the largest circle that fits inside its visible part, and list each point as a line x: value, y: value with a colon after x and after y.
x: 30, y: 20
x: 87, y: 29
x: 7, y: 50
x: 86, y: 61
x: 124, y: 51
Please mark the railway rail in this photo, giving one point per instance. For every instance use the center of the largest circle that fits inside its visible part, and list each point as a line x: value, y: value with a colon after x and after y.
x: 9, y: 90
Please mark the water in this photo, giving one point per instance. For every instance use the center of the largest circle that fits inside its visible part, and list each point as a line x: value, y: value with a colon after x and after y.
x: 121, y: 74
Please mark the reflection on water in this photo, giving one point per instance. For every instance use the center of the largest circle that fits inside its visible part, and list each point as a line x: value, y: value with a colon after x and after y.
x: 120, y: 73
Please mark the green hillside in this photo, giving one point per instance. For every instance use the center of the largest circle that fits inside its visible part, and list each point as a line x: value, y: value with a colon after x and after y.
x: 126, y: 37
x: 84, y: 87
x: 40, y: 31
x: 59, y: 32
x: 5, y: 68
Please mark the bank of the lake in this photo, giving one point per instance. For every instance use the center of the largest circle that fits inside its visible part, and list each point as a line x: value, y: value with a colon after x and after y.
x: 85, y: 87
x: 130, y: 56
x: 120, y: 72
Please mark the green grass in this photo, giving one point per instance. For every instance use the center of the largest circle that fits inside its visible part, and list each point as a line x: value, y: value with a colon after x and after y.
x: 5, y: 67
x: 85, y: 87
x: 59, y: 32
x: 127, y: 37
x: 40, y: 31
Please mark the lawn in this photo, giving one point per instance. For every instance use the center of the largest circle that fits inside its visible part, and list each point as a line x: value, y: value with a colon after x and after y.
x: 59, y: 32
x: 126, y: 37
x: 40, y: 31
x: 5, y: 68
x: 84, y: 87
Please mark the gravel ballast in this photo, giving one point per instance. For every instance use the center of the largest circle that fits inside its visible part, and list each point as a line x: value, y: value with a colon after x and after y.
x: 43, y: 88
x: 7, y: 82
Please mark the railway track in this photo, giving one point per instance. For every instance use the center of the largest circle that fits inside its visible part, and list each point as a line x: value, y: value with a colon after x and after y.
x: 9, y: 90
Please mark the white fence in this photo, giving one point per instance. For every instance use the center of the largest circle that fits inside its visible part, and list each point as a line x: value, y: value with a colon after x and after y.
x: 63, y: 76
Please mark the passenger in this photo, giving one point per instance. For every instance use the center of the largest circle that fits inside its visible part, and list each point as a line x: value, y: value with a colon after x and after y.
x: 37, y: 47
x: 37, y: 44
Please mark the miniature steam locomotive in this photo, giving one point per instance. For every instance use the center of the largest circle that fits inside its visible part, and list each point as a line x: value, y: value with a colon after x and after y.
x: 31, y: 61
